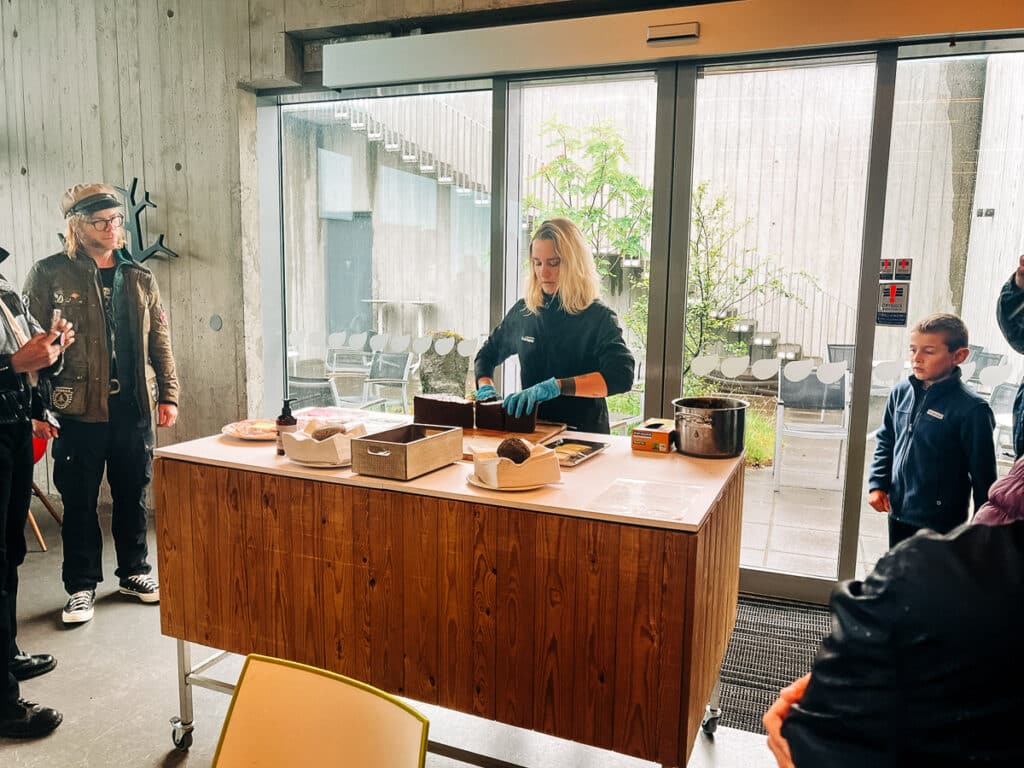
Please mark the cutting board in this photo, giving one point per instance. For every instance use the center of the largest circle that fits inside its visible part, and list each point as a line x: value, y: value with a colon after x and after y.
x: 488, y: 440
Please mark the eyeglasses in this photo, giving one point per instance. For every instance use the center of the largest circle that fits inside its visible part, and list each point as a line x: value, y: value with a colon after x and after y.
x: 102, y: 225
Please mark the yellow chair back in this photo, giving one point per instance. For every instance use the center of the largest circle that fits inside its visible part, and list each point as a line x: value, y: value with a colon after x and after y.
x: 284, y: 714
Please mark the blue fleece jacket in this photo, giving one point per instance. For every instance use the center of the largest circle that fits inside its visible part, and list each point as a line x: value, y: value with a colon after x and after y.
x: 933, y: 450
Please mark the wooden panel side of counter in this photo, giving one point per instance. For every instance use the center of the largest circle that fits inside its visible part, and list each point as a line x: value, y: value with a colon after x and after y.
x: 580, y: 628
x: 714, y: 574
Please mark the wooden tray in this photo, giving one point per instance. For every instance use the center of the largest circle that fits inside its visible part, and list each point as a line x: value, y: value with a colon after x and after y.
x: 406, y: 452
x: 488, y: 440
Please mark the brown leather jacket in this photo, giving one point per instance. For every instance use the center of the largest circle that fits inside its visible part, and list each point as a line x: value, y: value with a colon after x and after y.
x: 72, y: 285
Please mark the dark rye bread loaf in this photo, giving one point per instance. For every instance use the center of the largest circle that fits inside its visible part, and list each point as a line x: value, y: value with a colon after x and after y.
x: 448, y: 410
x: 491, y: 415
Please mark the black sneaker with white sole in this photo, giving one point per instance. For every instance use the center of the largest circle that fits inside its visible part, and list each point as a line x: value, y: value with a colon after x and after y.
x: 78, y: 609
x: 142, y: 586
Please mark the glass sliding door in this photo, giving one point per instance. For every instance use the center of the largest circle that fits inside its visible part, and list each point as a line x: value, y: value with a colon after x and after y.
x: 953, y: 232
x: 386, y: 228
x: 780, y: 162
x: 585, y: 151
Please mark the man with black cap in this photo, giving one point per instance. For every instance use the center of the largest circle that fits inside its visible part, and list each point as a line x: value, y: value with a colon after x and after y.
x: 25, y: 352
x: 106, y: 396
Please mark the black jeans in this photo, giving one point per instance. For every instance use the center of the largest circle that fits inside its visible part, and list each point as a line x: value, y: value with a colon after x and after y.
x: 899, y: 531
x: 15, y: 495
x: 124, y: 446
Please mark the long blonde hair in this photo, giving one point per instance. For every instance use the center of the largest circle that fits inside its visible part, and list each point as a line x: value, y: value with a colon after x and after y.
x: 579, y: 285
x: 71, y: 226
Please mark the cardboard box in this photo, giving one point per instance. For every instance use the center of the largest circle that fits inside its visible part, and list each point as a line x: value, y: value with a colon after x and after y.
x: 654, y: 435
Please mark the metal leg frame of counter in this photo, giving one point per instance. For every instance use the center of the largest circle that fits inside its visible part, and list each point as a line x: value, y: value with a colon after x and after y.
x: 182, y: 726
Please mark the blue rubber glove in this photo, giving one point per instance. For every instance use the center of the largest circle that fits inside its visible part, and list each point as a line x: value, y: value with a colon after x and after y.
x: 525, y: 402
x: 486, y: 392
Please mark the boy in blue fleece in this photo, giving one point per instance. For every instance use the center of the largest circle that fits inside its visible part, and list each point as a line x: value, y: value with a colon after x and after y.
x: 935, y: 447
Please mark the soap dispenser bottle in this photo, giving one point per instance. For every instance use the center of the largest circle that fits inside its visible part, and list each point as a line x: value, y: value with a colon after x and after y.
x: 285, y: 423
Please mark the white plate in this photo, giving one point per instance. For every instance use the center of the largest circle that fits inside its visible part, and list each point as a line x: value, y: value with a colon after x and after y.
x: 472, y: 479
x: 234, y: 430
x: 321, y: 464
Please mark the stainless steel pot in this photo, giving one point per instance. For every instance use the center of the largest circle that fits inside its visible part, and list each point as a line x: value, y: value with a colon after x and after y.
x: 710, y: 427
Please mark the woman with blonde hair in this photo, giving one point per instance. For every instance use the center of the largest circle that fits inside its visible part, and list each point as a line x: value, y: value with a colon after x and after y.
x: 571, y: 351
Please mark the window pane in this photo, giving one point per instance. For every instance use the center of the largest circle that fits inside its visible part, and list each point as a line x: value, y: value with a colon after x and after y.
x: 952, y: 210
x: 587, y: 153
x: 780, y: 168
x: 387, y: 243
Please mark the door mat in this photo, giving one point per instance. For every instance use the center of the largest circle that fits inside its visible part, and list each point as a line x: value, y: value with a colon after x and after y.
x: 773, y: 644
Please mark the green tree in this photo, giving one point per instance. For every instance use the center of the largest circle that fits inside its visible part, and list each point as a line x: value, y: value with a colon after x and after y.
x: 720, y: 279
x: 587, y: 182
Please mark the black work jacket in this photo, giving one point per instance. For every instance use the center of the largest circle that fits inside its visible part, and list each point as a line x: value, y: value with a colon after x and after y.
x: 933, y: 450
x: 18, y: 400
x: 553, y: 343
x: 1010, y: 316
x: 923, y: 665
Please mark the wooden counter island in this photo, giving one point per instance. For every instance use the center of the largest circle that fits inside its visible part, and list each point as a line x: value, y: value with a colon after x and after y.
x: 596, y: 610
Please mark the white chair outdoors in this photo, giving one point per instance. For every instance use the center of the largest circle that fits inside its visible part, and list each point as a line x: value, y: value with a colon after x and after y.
x: 444, y: 345
x: 310, y: 391
x: 967, y: 370
x: 379, y: 342
x: 884, y: 376
x: 366, y: 401
x: 731, y: 367
x: 387, y: 370
x: 993, y: 376
x: 984, y: 361
x: 765, y: 369
x: 801, y: 391
x: 703, y: 365
x: 1001, y: 401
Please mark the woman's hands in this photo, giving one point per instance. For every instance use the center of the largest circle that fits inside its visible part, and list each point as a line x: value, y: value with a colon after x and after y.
x: 526, y: 402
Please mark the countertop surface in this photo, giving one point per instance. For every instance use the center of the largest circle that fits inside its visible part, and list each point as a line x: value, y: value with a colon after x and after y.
x: 669, y: 491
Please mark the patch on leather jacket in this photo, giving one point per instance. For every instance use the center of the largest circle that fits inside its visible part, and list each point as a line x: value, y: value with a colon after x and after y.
x: 62, y: 397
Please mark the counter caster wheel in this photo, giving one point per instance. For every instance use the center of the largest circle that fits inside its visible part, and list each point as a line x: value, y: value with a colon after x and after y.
x: 710, y: 722
x: 181, y: 734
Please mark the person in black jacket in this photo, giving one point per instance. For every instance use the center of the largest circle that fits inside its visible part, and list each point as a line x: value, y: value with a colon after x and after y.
x: 923, y: 664
x: 571, y: 351
x: 25, y: 350
x: 1010, y: 316
x: 935, y: 445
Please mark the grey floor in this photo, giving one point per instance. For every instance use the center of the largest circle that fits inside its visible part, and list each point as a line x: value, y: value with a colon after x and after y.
x: 115, y: 684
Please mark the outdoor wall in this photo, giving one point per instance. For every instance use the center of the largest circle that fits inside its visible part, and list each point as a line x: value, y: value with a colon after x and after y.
x: 997, y: 241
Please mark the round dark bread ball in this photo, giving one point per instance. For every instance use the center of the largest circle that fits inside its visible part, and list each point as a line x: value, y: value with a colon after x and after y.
x: 514, y: 448
x: 325, y: 432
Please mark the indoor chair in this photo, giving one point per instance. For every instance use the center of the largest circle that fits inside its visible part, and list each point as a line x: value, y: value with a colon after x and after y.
x: 285, y: 713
